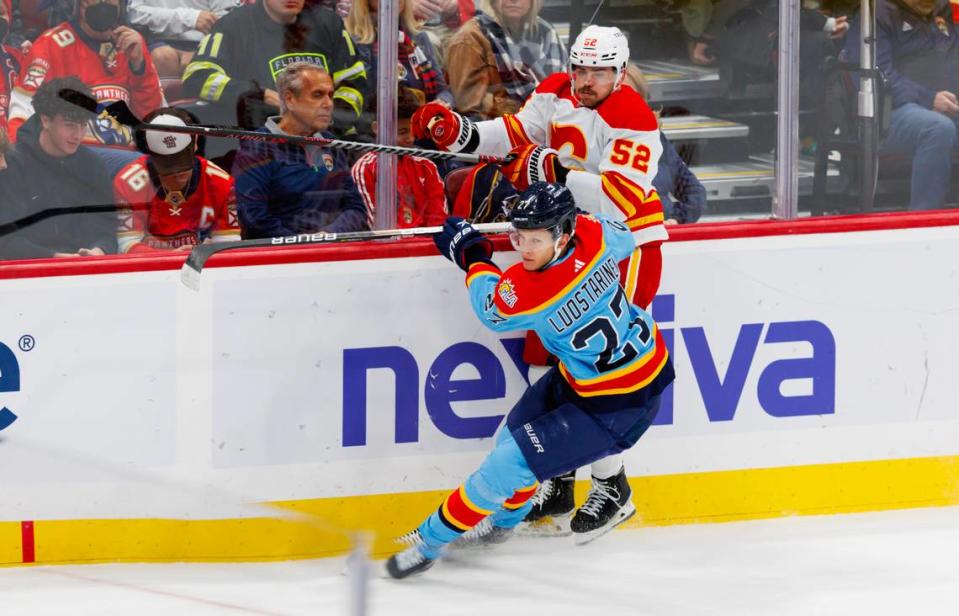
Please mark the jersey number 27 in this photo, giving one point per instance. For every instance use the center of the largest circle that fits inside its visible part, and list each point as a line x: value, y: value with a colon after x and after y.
x: 603, y: 326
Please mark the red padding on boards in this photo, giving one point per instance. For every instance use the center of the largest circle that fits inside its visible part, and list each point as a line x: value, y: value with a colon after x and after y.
x: 421, y: 247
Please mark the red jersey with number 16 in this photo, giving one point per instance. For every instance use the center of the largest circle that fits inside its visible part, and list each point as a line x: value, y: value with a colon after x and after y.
x: 152, y: 220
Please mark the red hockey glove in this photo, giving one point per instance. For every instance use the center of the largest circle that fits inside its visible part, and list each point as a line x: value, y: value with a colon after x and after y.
x: 449, y: 130
x: 531, y: 164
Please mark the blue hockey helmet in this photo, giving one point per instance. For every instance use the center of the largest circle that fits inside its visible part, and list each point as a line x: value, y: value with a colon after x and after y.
x: 545, y: 206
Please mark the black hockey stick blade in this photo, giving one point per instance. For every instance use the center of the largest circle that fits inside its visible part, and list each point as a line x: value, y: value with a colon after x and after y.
x: 117, y: 109
x: 79, y: 99
x: 190, y: 272
x: 122, y: 113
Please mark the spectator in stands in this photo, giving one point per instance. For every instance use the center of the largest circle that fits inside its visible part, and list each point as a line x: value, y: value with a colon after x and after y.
x: 10, y: 61
x: 744, y: 30
x: 286, y: 189
x: 109, y: 57
x: 442, y: 19
x: 4, y: 148
x: 742, y: 37
x: 917, y: 50
x: 454, y: 13
x: 498, y: 57
x: 682, y: 194
x: 172, y: 199
x: 246, y: 50
x: 176, y: 26
x: 419, y: 71
x: 56, y: 192
x: 421, y: 200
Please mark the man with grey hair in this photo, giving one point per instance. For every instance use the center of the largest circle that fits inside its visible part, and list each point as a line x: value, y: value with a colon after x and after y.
x: 245, y: 51
x: 287, y: 189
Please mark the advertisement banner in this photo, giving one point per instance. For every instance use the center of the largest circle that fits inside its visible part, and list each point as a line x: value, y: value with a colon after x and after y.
x: 344, y: 378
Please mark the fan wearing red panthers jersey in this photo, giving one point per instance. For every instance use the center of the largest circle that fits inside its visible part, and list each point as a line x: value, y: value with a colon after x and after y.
x: 103, y: 53
x: 589, y: 131
x: 10, y: 59
x: 172, y: 199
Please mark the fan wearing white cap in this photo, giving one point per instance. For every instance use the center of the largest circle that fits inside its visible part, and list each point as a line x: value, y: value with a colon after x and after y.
x: 172, y: 155
x: 587, y: 129
x: 170, y: 198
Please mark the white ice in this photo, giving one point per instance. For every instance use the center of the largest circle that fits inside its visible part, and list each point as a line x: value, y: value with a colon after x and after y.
x: 898, y: 563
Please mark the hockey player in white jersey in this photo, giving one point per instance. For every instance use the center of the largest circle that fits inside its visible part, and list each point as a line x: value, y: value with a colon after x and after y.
x: 589, y: 131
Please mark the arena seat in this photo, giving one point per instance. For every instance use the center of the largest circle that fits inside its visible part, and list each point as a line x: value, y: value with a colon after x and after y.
x: 452, y: 184
x: 173, y: 91
x: 34, y: 16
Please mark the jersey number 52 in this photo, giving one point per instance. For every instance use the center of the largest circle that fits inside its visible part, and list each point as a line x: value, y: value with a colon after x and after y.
x: 627, y: 153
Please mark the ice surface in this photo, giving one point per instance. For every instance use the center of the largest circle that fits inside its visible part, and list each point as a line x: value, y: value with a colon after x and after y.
x: 900, y: 562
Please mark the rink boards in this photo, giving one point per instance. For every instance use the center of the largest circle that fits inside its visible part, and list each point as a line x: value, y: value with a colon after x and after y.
x: 816, y: 373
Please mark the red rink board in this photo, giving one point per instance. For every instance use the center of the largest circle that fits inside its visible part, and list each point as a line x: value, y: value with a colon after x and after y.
x: 423, y: 246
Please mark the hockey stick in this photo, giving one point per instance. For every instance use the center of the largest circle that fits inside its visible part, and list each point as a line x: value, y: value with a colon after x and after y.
x: 15, y: 225
x: 122, y: 114
x: 190, y: 273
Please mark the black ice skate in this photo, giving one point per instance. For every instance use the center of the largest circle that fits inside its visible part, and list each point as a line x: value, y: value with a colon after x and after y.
x: 607, y: 506
x: 483, y: 535
x: 410, y: 561
x: 552, y: 507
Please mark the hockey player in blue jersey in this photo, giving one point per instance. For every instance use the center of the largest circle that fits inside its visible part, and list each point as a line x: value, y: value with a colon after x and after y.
x: 603, y: 395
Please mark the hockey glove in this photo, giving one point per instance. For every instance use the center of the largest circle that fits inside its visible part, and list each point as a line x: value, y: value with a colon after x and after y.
x: 462, y: 244
x: 533, y: 163
x: 450, y: 131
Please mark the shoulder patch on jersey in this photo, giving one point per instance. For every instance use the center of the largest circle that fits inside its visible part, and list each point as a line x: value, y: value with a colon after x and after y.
x: 522, y: 292
x: 507, y: 292
x: 625, y: 108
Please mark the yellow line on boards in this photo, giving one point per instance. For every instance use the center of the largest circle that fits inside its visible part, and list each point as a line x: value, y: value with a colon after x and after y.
x: 326, y: 525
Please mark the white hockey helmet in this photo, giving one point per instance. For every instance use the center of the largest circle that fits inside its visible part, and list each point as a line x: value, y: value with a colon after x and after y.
x: 601, y: 46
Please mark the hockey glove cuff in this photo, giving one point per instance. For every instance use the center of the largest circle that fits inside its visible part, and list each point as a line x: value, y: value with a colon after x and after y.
x: 533, y: 163
x: 450, y: 131
x: 462, y: 244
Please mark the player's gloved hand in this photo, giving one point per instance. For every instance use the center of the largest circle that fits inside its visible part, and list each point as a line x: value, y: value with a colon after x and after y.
x: 533, y: 163
x: 449, y: 130
x: 462, y: 244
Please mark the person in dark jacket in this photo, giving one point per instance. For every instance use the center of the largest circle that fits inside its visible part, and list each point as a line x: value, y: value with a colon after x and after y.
x: 285, y: 189
x: 57, y: 199
x: 237, y: 63
x: 682, y: 194
x: 917, y: 50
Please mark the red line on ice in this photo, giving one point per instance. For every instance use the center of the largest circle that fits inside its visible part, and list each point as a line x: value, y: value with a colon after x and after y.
x: 27, y: 544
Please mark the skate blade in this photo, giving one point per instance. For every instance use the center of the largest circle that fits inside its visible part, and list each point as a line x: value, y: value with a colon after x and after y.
x: 621, y: 516
x: 550, y: 526
x: 384, y: 572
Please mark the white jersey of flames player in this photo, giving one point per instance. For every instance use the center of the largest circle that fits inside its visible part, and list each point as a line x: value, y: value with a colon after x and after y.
x: 612, y: 150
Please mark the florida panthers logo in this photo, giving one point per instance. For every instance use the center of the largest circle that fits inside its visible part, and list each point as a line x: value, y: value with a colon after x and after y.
x: 108, y: 131
x: 507, y: 292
